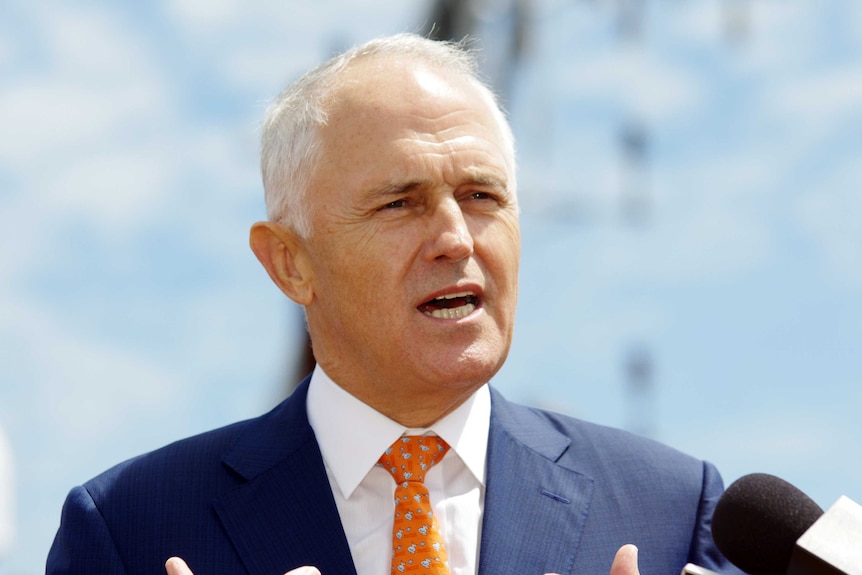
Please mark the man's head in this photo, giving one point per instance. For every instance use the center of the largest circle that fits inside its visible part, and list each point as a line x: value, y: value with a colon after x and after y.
x: 290, y: 142
x: 390, y: 186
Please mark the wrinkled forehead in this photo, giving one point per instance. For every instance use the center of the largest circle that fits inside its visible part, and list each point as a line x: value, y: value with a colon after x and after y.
x: 378, y: 83
x: 381, y: 89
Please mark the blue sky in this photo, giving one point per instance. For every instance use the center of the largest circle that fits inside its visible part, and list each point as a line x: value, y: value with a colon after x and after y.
x: 133, y: 313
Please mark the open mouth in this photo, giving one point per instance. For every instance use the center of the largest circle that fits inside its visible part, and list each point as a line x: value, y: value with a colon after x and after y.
x: 451, y: 306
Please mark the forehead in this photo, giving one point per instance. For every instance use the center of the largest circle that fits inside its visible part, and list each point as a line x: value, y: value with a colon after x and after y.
x: 384, y: 106
x: 393, y: 83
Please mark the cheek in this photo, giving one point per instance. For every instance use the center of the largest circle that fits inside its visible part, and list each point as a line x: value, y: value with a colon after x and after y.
x: 503, y: 246
x: 363, y: 270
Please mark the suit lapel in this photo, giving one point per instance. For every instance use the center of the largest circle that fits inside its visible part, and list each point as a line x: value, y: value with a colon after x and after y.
x: 530, y: 498
x: 284, y: 515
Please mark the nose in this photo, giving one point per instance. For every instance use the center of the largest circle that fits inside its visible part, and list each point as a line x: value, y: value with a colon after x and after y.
x: 450, y: 236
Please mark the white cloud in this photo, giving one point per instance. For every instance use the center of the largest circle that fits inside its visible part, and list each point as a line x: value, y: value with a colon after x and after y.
x: 262, y: 45
x: 713, y: 241
x: 8, y: 51
x: 207, y: 16
x: 696, y: 23
x: 54, y: 120
x: 99, y: 44
x: 706, y: 220
x: 114, y: 190
x: 781, y: 37
x: 830, y: 214
x: 806, y: 448
x: 93, y: 82
x: 83, y: 385
x: 268, y: 68
x: 822, y: 101
x: 94, y: 138
x: 640, y: 83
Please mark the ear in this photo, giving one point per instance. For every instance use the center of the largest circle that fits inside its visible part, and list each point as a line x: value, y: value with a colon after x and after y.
x: 282, y: 253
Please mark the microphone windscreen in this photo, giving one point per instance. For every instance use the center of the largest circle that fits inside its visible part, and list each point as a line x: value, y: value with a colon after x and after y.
x: 757, y: 521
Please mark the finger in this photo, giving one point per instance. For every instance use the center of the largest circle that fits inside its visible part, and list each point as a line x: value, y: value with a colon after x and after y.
x: 626, y: 561
x: 304, y: 570
x: 176, y: 566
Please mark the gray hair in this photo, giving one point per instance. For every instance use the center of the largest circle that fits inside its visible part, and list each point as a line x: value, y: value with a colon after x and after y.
x: 290, y: 139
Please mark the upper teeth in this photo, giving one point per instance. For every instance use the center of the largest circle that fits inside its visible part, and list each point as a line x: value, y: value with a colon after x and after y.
x: 454, y: 295
x: 455, y: 312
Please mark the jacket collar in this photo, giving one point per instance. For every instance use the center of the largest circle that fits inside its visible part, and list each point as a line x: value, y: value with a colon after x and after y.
x: 284, y: 515
x: 531, y: 497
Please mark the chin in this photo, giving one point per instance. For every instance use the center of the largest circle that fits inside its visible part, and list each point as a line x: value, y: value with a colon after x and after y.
x: 469, y: 369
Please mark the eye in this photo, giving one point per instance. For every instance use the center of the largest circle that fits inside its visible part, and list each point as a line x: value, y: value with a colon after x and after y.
x: 394, y: 205
x: 485, y: 200
x: 485, y: 197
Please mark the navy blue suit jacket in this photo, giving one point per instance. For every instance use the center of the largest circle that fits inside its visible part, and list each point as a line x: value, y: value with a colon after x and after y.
x: 561, y: 496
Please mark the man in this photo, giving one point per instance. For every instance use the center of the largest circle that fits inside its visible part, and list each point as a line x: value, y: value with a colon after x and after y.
x: 393, y: 219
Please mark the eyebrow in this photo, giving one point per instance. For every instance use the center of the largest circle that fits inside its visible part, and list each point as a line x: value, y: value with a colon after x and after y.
x: 392, y: 189
x: 488, y: 179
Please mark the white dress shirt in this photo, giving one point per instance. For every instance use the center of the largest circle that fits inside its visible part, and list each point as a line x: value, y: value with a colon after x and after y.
x: 352, y: 437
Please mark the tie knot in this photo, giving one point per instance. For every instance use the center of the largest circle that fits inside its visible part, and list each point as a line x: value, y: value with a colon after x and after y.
x: 412, y: 455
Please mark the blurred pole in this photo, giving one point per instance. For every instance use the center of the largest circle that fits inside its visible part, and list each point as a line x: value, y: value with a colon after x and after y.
x: 638, y: 362
x: 634, y: 193
x: 736, y: 16
x: 451, y: 20
x: 501, y: 27
x: 630, y: 17
x: 633, y: 138
x: 640, y: 384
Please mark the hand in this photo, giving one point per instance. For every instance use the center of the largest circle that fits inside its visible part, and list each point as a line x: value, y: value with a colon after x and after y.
x: 176, y: 566
x: 625, y: 561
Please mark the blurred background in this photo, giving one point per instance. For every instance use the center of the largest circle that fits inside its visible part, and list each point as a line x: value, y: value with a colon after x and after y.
x: 691, y: 191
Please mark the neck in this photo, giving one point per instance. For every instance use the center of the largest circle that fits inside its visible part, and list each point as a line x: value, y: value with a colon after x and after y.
x: 415, y: 410
x: 412, y: 404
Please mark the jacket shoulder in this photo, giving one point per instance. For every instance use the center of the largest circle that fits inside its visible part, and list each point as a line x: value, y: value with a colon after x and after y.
x: 590, y: 444
x: 208, y: 462
x: 644, y: 492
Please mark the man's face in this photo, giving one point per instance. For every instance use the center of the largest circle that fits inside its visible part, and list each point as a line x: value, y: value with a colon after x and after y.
x: 415, y: 241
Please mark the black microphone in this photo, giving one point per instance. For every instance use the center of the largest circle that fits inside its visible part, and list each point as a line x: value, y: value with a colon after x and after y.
x: 766, y: 526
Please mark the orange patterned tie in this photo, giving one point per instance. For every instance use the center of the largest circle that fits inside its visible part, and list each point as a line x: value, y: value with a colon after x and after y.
x: 417, y: 544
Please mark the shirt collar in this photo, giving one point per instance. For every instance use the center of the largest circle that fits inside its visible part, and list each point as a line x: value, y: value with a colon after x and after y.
x: 335, y: 416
